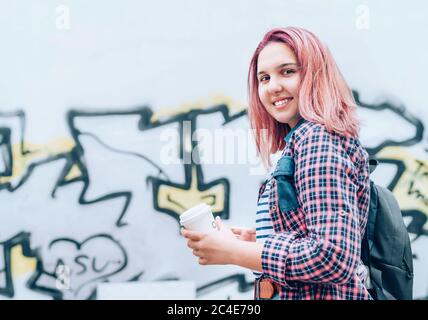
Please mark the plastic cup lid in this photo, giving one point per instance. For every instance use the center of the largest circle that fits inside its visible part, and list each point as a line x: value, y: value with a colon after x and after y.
x: 194, y: 211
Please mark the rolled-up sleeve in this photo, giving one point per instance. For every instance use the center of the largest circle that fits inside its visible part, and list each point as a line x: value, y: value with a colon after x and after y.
x: 328, y: 251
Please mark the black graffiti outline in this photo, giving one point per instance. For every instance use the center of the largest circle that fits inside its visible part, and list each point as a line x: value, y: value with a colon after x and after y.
x: 239, y: 278
x: 156, y: 182
x: 31, y: 167
x: 6, y: 151
x: 20, y: 114
x: 416, y: 225
x: 403, y: 113
x: 23, y: 239
x: 72, y: 158
x: 417, y: 192
x: 145, y: 113
x: 401, y: 168
x: 28, y: 170
x: 76, y: 156
x: 79, y: 245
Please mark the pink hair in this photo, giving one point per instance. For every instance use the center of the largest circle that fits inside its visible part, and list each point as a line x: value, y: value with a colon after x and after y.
x: 324, y: 96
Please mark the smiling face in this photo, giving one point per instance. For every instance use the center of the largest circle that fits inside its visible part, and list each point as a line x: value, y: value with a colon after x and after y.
x: 278, y: 82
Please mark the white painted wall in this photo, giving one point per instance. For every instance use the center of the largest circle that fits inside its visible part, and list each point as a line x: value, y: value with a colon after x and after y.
x: 165, y: 54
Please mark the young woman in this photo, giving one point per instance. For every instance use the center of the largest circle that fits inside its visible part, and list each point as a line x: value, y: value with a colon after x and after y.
x: 312, y: 209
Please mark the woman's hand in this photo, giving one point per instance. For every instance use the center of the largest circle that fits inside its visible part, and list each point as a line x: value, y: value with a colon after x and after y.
x: 219, y: 247
x: 245, y: 234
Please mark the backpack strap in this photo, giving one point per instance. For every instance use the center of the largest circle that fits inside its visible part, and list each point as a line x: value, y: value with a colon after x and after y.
x: 371, y: 218
x: 373, y: 163
x: 367, y: 245
x: 373, y: 205
x: 369, y: 234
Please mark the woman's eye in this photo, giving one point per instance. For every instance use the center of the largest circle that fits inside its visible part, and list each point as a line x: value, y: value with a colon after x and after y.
x: 264, y: 78
x: 288, y: 71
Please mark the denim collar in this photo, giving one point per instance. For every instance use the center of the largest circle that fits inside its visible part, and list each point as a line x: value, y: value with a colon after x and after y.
x: 288, y: 136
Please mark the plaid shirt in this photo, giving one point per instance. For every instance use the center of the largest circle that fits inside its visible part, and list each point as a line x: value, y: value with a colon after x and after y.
x: 319, y: 217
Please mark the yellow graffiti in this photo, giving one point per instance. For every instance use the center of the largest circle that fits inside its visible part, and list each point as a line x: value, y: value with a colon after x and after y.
x: 233, y: 106
x: 37, y: 152
x: 20, y: 264
x: 411, y: 190
x: 179, y: 200
x: 73, y: 173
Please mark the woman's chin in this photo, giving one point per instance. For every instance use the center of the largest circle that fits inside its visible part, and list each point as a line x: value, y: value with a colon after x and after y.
x: 283, y: 119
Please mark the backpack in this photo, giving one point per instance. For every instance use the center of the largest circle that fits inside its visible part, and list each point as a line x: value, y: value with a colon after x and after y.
x: 386, y: 249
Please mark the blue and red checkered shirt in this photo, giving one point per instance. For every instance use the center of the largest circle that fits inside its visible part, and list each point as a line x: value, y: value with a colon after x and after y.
x: 314, y: 252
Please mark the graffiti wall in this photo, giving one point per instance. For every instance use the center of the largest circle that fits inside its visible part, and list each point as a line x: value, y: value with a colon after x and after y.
x: 116, y: 118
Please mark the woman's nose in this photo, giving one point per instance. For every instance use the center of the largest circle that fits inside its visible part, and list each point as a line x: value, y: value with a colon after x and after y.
x: 274, y: 86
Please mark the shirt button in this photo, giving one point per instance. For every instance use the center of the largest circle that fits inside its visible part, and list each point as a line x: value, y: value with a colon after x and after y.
x: 274, y: 207
x: 342, y: 213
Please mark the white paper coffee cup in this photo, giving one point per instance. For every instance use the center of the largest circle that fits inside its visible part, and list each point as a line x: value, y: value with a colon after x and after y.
x: 199, y: 218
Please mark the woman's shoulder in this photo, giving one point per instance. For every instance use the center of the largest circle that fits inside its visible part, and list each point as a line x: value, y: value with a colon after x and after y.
x: 318, y: 132
x: 310, y: 131
x: 316, y: 135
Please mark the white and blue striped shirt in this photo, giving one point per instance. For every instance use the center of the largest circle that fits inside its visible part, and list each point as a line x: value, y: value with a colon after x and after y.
x: 264, y: 226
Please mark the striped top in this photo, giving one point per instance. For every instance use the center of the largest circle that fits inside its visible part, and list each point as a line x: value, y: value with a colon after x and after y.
x: 264, y: 226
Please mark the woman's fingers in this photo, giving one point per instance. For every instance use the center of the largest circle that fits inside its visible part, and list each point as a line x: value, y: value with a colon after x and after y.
x: 239, y: 231
x: 249, y: 231
x: 236, y: 231
x: 244, y: 234
x: 192, y: 235
x: 193, y: 244
x: 219, y: 223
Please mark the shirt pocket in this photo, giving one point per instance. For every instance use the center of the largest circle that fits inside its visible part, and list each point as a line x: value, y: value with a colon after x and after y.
x: 284, y: 176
